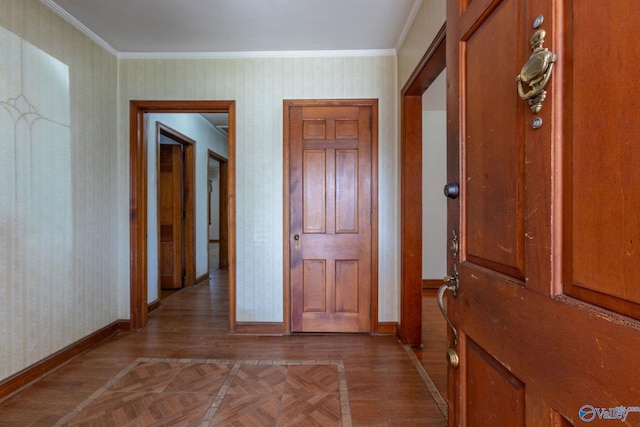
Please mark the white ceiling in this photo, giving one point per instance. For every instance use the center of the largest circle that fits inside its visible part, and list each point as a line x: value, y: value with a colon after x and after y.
x: 147, y: 27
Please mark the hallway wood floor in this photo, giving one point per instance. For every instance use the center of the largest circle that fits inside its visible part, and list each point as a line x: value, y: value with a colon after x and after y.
x: 384, y: 387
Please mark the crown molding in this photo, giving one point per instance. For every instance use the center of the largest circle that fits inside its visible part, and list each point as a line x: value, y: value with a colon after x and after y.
x: 80, y: 26
x: 257, y: 54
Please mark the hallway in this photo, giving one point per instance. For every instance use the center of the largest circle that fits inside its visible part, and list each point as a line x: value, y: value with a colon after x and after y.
x: 384, y: 388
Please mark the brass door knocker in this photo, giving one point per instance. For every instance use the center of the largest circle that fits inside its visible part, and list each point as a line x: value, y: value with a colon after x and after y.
x: 536, y: 72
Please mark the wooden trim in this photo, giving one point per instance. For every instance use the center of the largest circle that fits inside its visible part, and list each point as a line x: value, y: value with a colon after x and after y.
x: 373, y: 104
x: 32, y: 373
x: 430, y: 292
x: 375, y: 325
x: 387, y: 328
x: 429, y: 67
x: 286, y: 218
x: 138, y: 196
x: 137, y: 216
x: 202, y: 278
x: 431, y: 283
x: 432, y: 64
x: 260, y: 328
x: 154, y: 305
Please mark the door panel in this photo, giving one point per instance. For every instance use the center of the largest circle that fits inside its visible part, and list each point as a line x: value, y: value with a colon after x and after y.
x: 504, y: 406
x: 602, y: 159
x: 547, y: 216
x: 315, y: 189
x: 170, y: 209
x: 493, y: 172
x: 346, y: 191
x: 330, y: 152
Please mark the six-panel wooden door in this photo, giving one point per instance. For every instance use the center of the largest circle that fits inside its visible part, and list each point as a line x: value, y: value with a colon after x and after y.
x: 330, y: 227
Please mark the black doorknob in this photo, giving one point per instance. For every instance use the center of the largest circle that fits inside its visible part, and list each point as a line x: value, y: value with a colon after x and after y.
x: 452, y: 190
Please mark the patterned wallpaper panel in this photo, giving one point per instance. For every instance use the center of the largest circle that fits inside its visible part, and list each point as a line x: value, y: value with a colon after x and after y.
x: 426, y: 24
x: 58, y: 188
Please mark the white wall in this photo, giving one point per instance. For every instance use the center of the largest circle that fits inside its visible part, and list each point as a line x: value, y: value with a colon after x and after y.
x: 434, y: 177
x: 214, y: 208
x: 434, y: 205
x: 207, y: 138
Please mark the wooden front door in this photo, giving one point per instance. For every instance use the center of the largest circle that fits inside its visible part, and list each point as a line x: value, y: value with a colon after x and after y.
x: 547, y: 218
x: 330, y: 218
x: 170, y: 216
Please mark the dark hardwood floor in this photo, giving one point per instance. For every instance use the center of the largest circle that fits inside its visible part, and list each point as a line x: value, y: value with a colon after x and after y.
x: 432, y: 354
x: 384, y: 386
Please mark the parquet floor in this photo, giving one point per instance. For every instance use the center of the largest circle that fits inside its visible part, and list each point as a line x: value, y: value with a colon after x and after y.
x: 185, y: 358
x: 190, y: 392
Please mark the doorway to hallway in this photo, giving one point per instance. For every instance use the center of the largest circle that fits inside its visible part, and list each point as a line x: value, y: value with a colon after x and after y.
x: 139, y: 202
x: 424, y: 258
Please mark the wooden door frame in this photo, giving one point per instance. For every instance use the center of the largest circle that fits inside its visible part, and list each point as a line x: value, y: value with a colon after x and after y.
x: 429, y: 68
x: 223, y: 259
x: 138, y: 171
x: 188, y: 188
x: 373, y: 104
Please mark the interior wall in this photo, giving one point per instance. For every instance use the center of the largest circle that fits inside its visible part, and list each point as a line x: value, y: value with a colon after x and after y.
x: 428, y: 21
x: 259, y: 86
x: 39, y: 317
x: 214, y: 207
x: 207, y: 138
x: 434, y: 177
x: 59, y: 267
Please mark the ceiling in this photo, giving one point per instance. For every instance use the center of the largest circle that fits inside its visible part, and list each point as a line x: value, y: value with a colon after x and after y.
x: 147, y: 27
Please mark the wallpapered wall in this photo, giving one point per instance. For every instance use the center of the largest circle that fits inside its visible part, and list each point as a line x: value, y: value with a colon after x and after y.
x: 259, y: 85
x: 426, y: 24
x: 64, y: 263
x: 58, y: 185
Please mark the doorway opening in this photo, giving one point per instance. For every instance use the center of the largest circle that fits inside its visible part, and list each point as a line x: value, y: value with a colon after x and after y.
x: 218, y: 217
x: 175, y: 218
x: 423, y: 211
x: 139, y: 199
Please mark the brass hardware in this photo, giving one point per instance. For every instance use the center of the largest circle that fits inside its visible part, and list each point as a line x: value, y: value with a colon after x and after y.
x: 453, y: 359
x: 451, y: 283
x: 453, y: 247
x: 297, y: 241
x: 536, y: 72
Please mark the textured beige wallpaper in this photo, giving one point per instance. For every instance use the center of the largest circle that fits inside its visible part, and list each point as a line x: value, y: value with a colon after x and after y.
x: 259, y: 85
x: 426, y: 24
x: 58, y: 187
